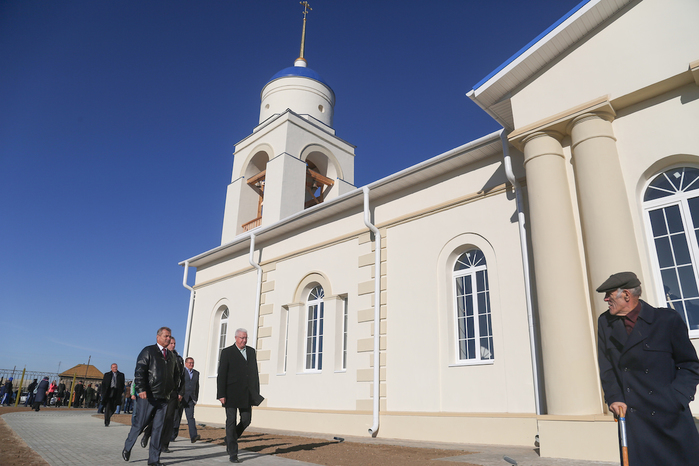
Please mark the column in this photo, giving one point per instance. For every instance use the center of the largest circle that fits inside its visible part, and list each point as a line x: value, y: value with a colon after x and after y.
x: 570, y: 374
x: 605, y: 215
x: 285, y: 188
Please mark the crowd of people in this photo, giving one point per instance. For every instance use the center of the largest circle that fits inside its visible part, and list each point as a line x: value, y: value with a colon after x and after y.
x: 58, y: 395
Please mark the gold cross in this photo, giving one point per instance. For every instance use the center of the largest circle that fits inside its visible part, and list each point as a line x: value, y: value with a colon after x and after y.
x: 306, y: 8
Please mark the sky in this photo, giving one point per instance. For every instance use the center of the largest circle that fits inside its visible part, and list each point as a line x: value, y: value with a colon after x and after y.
x: 119, y: 119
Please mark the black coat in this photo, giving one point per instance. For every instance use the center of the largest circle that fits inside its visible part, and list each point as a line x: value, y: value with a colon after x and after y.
x: 155, y: 375
x: 107, y: 385
x: 41, y: 391
x: 238, y: 381
x: 655, y: 371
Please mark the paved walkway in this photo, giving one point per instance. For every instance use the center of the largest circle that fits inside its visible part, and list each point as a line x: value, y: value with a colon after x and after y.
x: 77, y: 438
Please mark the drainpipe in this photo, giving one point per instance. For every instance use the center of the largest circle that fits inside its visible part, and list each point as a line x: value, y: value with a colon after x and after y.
x: 377, y: 311
x: 192, y: 293
x: 251, y: 259
x: 525, y: 263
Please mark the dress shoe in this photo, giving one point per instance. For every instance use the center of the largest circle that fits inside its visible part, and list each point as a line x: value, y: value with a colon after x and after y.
x: 196, y: 437
x: 166, y: 450
x: 126, y: 454
x: 144, y: 441
x: 235, y: 460
x: 156, y: 464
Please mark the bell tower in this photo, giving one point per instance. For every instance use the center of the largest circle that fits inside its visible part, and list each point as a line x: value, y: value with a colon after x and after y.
x: 292, y: 160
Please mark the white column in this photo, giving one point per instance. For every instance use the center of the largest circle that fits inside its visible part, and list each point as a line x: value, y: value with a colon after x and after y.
x: 570, y: 374
x: 605, y: 215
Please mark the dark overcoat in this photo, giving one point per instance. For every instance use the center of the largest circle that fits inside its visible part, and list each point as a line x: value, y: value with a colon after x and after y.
x: 655, y: 371
x: 107, y: 385
x: 41, y: 391
x: 238, y: 381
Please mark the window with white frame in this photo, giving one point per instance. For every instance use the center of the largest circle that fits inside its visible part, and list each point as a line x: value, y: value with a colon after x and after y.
x: 314, y: 329
x: 474, y: 329
x: 671, y: 203
x: 223, y: 331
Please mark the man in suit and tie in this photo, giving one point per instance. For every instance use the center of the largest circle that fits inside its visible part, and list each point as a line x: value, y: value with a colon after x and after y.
x: 189, y: 399
x: 112, y: 388
x: 238, y: 388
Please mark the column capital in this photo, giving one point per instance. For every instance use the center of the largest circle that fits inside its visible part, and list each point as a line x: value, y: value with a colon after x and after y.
x: 541, y: 143
x: 589, y: 126
x: 559, y: 123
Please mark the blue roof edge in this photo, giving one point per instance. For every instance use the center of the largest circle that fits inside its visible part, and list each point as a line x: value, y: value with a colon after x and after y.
x: 299, y: 71
x: 531, y: 43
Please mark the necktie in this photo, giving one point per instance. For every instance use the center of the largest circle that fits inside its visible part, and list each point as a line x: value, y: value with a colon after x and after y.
x: 165, y: 353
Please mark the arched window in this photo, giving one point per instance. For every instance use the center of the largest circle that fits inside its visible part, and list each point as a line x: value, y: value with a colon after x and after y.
x: 314, y: 329
x: 474, y: 328
x: 223, y: 332
x: 671, y: 202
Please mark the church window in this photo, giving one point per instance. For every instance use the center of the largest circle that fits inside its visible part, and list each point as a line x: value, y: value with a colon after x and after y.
x: 671, y: 203
x: 223, y: 332
x: 314, y: 329
x: 474, y: 329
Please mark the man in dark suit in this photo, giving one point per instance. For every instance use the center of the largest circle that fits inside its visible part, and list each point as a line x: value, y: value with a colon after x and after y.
x: 155, y: 379
x: 112, y: 387
x: 189, y: 399
x: 649, y: 371
x: 238, y: 388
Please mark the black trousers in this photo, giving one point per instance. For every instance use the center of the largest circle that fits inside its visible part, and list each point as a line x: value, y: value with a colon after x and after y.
x: 167, y: 434
x: 233, y: 430
x: 110, y: 404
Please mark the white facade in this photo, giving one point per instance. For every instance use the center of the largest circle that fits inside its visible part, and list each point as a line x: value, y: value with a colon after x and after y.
x: 595, y: 110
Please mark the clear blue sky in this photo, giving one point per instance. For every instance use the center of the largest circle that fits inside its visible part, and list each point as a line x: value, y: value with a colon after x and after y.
x: 118, y: 120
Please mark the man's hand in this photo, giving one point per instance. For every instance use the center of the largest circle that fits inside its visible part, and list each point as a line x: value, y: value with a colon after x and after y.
x: 222, y: 400
x: 618, y: 408
x: 143, y: 395
x: 179, y: 397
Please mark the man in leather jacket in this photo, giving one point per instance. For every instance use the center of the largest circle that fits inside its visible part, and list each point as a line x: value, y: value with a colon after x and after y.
x: 156, y: 377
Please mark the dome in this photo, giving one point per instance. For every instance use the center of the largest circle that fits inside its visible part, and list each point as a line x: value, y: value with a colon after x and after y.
x: 301, y: 90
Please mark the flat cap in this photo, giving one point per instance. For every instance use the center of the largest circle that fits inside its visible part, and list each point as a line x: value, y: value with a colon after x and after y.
x: 623, y: 280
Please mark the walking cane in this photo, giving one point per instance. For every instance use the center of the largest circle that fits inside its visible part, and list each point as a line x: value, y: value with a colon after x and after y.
x: 624, y: 441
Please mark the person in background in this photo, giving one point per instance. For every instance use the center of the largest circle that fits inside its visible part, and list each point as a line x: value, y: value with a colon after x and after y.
x: 30, y: 393
x: 7, y: 393
x: 89, y: 396
x: 42, y: 391
x: 112, y: 388
x: 127, y: 399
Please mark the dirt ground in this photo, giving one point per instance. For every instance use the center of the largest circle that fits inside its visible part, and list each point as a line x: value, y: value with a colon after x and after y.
x: 14, y: 452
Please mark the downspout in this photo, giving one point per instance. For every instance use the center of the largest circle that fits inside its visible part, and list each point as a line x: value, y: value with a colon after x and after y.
x: 525, y: 263
x: 251, y: 259
x: 192, y: 293
x: 377, y: 311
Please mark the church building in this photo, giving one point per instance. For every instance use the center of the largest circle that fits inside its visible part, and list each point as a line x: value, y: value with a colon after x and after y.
x: 470, y: 276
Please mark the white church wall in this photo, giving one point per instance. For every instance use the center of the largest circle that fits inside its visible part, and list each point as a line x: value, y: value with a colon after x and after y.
x: 234, y: 293
x: 654, y: 40
x: 421, y: 313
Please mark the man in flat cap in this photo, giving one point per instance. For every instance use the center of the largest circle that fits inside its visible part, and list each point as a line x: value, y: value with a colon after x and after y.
x: 649, y: 371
